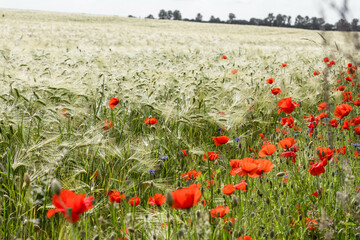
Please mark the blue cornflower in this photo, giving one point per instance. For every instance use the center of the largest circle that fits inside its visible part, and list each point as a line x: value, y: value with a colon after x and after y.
x: 237, y: 139
x: 152, y: 172
x: 163, y: 157
x: 309, y: 89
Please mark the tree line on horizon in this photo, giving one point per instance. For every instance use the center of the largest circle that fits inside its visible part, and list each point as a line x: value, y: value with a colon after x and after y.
x: 280, y: 20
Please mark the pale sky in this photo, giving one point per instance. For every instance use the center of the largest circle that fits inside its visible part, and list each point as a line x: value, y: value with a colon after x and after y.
x: 243, y: 9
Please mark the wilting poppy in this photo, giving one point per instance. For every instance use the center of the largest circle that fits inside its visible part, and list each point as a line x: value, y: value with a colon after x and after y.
x: 113, y: 102
x: 134, y: 201
x: 342, y: 110
x: 70, y: 204
x: 107, y: 125
x: 191, y: 175
x: 275, y: 91
x: 211, y: 156
x: 286, y: 105
x: 228, y: 189
x: 150, y: 121
x: 270, y: 81
x: 157, y: 199
x: 220, y: 140
x: 267, y: 149
x: 186, y: 197
x: 219, y: 211
x: 115, y: 196
x: 286, y: 143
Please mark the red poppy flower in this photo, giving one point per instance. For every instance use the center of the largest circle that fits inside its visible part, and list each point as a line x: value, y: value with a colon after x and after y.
x: 322, y: 115
x: 211, y: 155
x: 323, y: 106
x: 186, y: 197
x: 228, y: 189
x: 261, y: 135
x: 324, y: 153
x: 71, y: 205
x: 251, y: 167
x: 345, y: 125
x: 316, y: 194
x: 341, y: 88
x: 331, y: 63
x: 107, y: 125
x: 326, y: 59
x: 316, y: 73
x: 289, y: 120
x: 341, y: 150
x: 234, y: 71
x: 287, y: 143
x: 357, y: 103
x: 275, y: 91
x: 115, y: 196
x: 342, y: 110
x: 288, y: 155
x: 241, y: 186
x: 220, y: 140
x: 357, y: 130
x: 219, y: 211
x: 270, y: 81
x: 317, y: 168
x: 113, y: 102
x: 284, y: 65
x: 245, y: 237
x: 286, y: 105
x: 134, y: 201
x: 224, y: 57
x: 267, y: 150
x: 157, y: 199
x: 355, y: 121
x: 63, y: 113
x: 333, y: 123
x: 184, y: 152
x: 311, y: 224
x: 191, y: 175
x: 349, y: 79
x: 150, y: 121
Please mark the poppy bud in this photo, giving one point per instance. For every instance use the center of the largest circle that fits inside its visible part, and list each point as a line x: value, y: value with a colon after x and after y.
x: 235, y: 201
x: 265, y: 235
x: 181, y: 233
x: 280, y: 174
x: 171, y: 221
x: 252, y: 214
x: 272, y: 234
x: 154, y: 237
x: 83, y: 234
x: 198, y: 213
x: 169, y: 199
x: 131, y: 229
x: 268, y: 201
x: 282, y: 211
x: 36, y: 227
x: 56, y: 187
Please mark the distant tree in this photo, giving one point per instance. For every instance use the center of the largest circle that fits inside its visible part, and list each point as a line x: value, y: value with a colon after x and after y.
x: 177, y: 15
x: 169, y: 15
x: 130, y: 16
x: 354, y: 24
x: 199, y: 17
x: 328, y: 27
x: 299, y: 22
x: 162, y: 14
x: 269, y: 20
x: 343, y: 25
x: 256, y: 21
x: 214, y: 20
x: 279, y: 20
x: 150, y: 16
x: 288, y: 20
x: 231, y: 17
